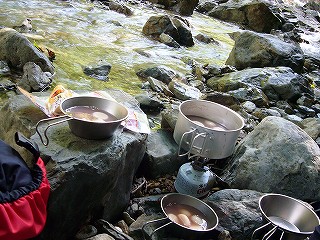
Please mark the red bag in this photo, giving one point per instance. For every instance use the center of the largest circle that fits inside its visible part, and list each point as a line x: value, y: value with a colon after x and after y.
x: 24, y: 192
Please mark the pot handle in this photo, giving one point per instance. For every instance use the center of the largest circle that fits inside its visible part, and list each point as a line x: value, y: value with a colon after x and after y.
x: 255, y: 232
x: 270, y: 233
x: 157, y: 229
x: 45, y: 143
x: 201, y: 148
x: 183, y: 137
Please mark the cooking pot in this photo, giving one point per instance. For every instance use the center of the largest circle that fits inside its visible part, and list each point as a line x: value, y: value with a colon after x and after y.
x: 180, y: 230
x: 207, y: 129
x: 85, y: 128
x: 293, y: 218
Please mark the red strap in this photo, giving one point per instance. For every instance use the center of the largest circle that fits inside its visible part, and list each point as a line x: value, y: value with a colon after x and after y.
x: 25, y: 218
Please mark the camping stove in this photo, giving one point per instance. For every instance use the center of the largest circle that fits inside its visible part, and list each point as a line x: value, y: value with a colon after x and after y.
x: 195, y: 179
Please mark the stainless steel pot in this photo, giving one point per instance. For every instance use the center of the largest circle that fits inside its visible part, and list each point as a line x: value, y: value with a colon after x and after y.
x: 178, y: 229
x: 85, y: 128
x: 207, y: 129
x: 292, y: 217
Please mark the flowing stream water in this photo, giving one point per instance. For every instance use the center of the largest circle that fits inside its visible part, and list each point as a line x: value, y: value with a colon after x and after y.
x: 84, y: 33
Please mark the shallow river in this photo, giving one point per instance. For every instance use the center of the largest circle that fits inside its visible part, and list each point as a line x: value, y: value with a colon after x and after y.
x: 82, y: 33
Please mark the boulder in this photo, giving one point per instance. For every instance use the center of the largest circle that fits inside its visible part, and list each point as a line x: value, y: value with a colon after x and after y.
x: 185, y: 7
x: 279, y: 157
x: 88, y: 178
x: 162, y: 73
x: 277, y: 83
x: 183, y: 91
x: 237, y: 210
x: 161, y: 155
x: 17, y: 50
x: 257, y: 50
x: 176, y: 27
x: 33, y: 78
x: 254, y: 14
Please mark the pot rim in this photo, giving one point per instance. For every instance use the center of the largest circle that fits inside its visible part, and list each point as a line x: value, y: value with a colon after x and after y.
x: 293, y: 199
x: 214, y: 103
x: 84, y: 120
x: 202, y: 202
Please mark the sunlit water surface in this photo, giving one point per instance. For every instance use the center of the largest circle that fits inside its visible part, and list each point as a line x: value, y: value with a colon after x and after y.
x: 82, y: 33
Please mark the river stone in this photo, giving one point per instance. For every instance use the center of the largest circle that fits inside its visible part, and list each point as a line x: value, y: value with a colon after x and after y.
x: 183, y: 91
x: 279, y: 157
x: 176, y: 27
x: 275, y: 82
x: 98, y: 72
x: 169, y: 116
x: 237, y: 210
x: 311, y: 126
x: 17, y: 50
x: 161, y: 155
x: 255, y: 14
x: 33, y: 78
x: 256, y: 50
x: 185, y: 7
x: 86, y: 176
x: 161, y: 73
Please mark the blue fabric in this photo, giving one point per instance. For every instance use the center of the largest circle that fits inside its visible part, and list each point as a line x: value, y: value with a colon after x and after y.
x: 316, y: 234
x: 14, y: 172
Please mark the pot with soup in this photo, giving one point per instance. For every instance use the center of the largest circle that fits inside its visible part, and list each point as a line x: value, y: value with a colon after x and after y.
x: 88, y: 117
x: 187, y: 216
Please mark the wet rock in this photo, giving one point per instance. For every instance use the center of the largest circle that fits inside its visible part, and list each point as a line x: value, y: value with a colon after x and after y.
x: 271, y: 163
x: 254, y: 14
x: 185, y: 7
x: 161, y: 73
x: 159, y: 86
x: 285, y: 106
x: 293, y: 118
x: 161, y: 155
x: 33, y: 78
x: 120, y: 8
x: 99, y: 72
x: 168, y: 40
x: 264, y: 50
x: 17, y: 50
x: 205, y: 6
x: 183, y: 91
x: 206, y: 39
x: 176, y: 27
x: 237, y: 210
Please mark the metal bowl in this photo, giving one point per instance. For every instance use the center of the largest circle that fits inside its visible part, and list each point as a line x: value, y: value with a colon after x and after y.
x: 95, y: 130
x: 205, y: 209
x: 84, y: 128
x: 289, y: 215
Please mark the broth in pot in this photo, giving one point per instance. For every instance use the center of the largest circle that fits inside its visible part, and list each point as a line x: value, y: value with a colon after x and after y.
x: 90, y: 113
x: 186, y: 216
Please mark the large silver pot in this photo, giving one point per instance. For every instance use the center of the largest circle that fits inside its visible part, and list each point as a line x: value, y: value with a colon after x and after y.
x: 207, y: 129
x: 85, y: 128
x: 293, y: 218
x: 178, y: 229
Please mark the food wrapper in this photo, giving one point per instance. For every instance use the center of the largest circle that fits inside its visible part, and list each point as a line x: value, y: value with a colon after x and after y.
x: 136, y: 121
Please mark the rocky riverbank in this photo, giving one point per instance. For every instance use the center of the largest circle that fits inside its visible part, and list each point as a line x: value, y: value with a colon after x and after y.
x: 271, y: 78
